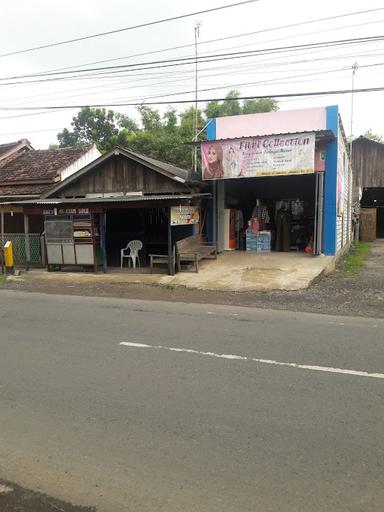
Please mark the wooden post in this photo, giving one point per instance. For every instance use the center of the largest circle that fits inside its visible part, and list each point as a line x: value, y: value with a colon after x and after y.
x: 27, y: 246
x: 171, y: 263
x: 214, y: 207
x: 103, y: 230
x: 94, y: 242
x: 2, y: 239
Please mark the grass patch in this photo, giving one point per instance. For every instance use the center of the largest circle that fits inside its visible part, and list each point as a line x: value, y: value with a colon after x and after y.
x: 356, y: 258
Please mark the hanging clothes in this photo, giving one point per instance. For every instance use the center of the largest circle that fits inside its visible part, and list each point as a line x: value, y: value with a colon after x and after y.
x: 239, y: 220
x: 260, y: 212
x: 283, y: 228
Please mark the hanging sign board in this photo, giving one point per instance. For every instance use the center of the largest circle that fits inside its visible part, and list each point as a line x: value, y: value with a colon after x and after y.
x: 184, y: 215
x: 275, y: 155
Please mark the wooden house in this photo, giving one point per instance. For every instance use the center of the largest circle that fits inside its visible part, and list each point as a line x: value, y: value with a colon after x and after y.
x: 121, y: 196
x: 368, y: 176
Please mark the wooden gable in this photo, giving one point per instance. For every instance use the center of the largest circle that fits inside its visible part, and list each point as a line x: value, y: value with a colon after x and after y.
x: 368, y: 163
x: 120, y: 174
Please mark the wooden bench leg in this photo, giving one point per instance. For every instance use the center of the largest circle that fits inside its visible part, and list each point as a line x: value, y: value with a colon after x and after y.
x: 178, y: 264
x: 151, y: 264
x: 197, y: 263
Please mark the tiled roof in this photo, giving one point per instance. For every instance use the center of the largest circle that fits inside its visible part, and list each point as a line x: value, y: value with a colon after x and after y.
x: 39, y: 164
x: 24, y: 190
x: 33, y: 172
x: 4, y: 148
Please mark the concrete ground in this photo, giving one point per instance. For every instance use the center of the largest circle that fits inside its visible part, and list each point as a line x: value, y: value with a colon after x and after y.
x: 235, y: 271
x: 241, y: 271
x: 353, y: 293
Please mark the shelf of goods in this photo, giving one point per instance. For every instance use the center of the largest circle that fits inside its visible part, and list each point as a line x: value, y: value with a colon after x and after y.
x: 71, y: 240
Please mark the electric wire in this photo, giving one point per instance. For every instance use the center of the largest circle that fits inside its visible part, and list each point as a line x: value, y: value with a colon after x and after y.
x: 245, y: 34
x: 207, y: 58
x: 125, y: 29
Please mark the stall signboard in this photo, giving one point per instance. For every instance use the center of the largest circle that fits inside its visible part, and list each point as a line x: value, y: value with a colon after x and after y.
x: 66, y: 211
x: 275, y: 155
x: 184, y: 215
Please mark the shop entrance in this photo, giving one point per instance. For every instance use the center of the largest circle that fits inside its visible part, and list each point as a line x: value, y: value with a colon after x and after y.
x: 149, y: 225
x: 374, y: 198
x: 278, y: 213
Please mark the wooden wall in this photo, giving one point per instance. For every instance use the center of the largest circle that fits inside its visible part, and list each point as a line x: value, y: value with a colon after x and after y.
x: 119, y: 174
x: 368, y: 163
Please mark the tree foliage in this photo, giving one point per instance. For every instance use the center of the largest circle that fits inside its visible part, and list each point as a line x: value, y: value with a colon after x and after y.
x: 231, y: 106
x: 165, y: 136
x: 369, y: 134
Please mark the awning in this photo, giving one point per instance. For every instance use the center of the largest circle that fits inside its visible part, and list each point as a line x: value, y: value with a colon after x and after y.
x: 100, y: 201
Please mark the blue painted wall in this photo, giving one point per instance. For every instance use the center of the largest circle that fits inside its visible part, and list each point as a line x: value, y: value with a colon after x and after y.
x: 330, y: 184
x: 211, y: 129
x: 211, y: 135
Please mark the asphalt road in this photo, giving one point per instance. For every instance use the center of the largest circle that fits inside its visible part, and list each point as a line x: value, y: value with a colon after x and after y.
x: 145, y: 428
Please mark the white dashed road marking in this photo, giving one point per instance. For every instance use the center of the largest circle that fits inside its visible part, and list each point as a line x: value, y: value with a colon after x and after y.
x: 315, y: 368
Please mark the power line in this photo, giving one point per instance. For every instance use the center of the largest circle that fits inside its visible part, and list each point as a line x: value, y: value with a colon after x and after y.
x: 191, y: 60
x: 30, y: 131
x: 245, y: 34
x: 280, y: 80
x: 132, y: 85
x: 205, y: 100
x: 263, y: 64
x: 132, y: 27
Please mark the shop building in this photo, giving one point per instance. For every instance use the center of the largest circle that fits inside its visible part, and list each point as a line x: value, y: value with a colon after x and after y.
x: 90, y: 217
x: 280, y: 181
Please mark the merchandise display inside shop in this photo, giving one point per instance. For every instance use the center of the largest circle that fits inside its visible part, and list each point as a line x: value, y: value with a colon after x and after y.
x: 270, y: 214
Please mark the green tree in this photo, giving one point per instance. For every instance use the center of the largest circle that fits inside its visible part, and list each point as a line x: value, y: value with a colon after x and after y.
x: 93, y: 126
x: 150, y: 118
x: 167, y: 137
x: 261, y: 105
x: 369, y: 134
x: 231, y: 106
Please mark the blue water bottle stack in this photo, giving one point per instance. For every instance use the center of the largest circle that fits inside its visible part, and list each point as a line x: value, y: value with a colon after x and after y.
x: 260, y: 243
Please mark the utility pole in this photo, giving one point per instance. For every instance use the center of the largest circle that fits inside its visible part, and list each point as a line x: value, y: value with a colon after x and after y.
x: 354, y: 69
x: 196, y: 118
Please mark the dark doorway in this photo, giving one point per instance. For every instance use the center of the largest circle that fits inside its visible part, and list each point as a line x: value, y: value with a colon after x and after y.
x: 149, y: 225
x: 296, y: 194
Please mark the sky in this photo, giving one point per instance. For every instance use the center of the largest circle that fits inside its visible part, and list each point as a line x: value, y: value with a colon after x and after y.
x: 256, y: 26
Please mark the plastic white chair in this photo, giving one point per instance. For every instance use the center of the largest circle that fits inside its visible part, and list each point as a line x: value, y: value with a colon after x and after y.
x: 134, y: 247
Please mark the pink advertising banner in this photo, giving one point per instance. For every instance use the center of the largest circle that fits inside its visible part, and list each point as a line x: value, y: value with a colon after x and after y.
x: 275, y: 155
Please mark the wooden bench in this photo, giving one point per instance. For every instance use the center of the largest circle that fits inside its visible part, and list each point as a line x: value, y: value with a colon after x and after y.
x: 193, y: 249
x: 159, y: 259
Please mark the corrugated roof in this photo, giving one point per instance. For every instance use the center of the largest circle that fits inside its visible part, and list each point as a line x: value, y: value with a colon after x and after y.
x: 367, y: 140
x: 103, y: 200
